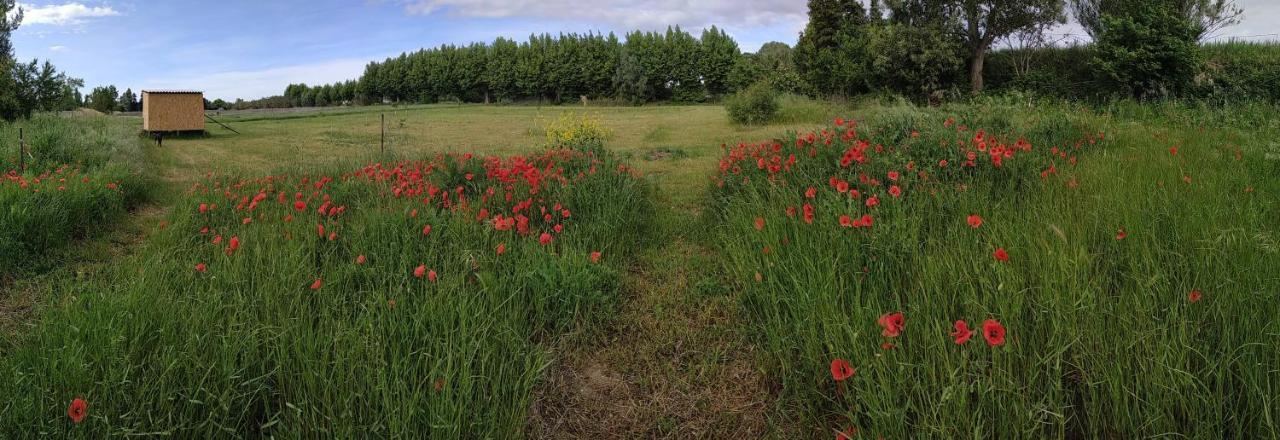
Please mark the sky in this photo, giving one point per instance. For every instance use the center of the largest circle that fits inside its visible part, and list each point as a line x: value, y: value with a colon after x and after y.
x: 254, y: 48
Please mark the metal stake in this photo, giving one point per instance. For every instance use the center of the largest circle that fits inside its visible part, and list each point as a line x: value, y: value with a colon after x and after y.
x: 383, y: 145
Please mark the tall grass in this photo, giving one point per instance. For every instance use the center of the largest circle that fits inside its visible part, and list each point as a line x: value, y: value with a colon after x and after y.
x: 1108, y: 235
x: 81, y: 174
x: 319, y: 322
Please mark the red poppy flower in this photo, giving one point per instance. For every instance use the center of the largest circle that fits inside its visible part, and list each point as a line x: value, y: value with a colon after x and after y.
x: 320, y: 230
x: 78, y: 410
x: 234, y: 244
x: 849, y: 432
x: 811, y: 192
x: 993, y: 332
x: 595, y: 257
x: 975, y: 221
x: 360, y: 259
x: 316, y: 285
x: 840, y: 370
x: 431, y: 275
x: 1173, y: 151
x: 1120, y: 235
x: 545, y: 239
x: 962, y: 333
x: 893, y: 175
x: 1194, y: 296
x: 1001, y: 255
x: 866, y: 220
x: 502, y: 248
x: 426, y: 230
x: 217, y: 239
x: 299, y: 206
x: 895, y: 191
x: 201, y: 267
x: 846, y: 221
x: 808, y: 213
x: 872, y: 201
x: 759, y: 223
x: 892, y: 323
x: 420, y: 271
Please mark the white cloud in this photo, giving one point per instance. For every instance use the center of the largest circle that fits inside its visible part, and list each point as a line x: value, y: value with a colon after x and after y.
x: 58, y: 48
x: 255, y: 84
x: 650, y: 14
x: 65, y: 14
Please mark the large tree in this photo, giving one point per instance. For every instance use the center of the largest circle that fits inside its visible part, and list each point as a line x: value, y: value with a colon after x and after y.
x: 830, y: 54
x: 986, y: 21
x: 1206, y: 16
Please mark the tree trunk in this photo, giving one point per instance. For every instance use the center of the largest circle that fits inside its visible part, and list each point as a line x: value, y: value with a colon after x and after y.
x: 975, y: 69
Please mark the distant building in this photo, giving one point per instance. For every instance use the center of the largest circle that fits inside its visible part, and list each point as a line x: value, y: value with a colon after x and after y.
x: 173, y: 111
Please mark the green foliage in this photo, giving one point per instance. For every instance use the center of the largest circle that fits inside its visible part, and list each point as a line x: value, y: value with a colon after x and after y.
x: 757, y: 104
x: 1103, y: 340
x: 915, y: 61
x: 831, y: 52
x: 1235, y: 72
x: 81, y: 175
x: 104, y: 99
x: 248, y: 347
x: 1150, y: 52
x: 648, y: 66
x: 1204, y: 16
x: 718, y: 56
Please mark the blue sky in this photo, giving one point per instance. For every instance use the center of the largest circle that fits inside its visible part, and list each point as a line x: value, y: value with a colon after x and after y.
x: 253, y: 48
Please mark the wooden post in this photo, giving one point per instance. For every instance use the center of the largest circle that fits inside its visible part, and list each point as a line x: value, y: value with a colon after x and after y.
x: 22, y: 151
x: 383, y: 145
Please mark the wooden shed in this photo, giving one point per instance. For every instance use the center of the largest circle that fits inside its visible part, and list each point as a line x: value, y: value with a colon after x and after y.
x: 172, y: 111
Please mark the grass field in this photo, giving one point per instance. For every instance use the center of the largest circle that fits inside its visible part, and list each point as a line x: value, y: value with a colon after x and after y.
x: 744, y: 286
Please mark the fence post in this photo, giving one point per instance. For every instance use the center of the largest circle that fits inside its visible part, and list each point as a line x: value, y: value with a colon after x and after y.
x: 22, y: 151
x: 383, y: 144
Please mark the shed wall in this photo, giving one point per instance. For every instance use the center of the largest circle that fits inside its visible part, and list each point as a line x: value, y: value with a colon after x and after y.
x: 172, y: 112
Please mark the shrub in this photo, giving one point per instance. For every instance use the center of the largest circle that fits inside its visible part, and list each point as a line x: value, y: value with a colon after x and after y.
x: 1151, y: 53
x: 916, y: 61
x: 757, y: 104
x: 577, y: 131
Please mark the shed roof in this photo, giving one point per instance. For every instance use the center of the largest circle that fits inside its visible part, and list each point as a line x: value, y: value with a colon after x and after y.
x: 174, y: 92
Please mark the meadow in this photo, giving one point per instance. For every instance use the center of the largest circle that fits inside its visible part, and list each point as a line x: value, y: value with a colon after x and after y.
x: 1007, y: 268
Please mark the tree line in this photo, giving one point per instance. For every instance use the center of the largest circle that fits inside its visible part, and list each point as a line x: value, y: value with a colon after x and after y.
x: 645, y: 66
x: 930, y: 48
x: 34, y: 86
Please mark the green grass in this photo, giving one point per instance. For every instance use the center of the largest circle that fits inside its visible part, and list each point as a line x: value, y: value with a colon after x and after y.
x: 81, y: 175
x: 1102, y: 339
x: 352, y: 135
x: 250, y: 346
x: 709, y: 326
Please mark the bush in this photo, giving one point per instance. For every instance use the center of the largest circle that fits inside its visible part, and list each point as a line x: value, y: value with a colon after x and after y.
x: 1148, y: 54
x: 915, y: 61
x: 757, y: 104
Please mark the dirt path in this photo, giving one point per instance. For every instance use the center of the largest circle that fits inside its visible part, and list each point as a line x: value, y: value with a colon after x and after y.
x: 672, y: 364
